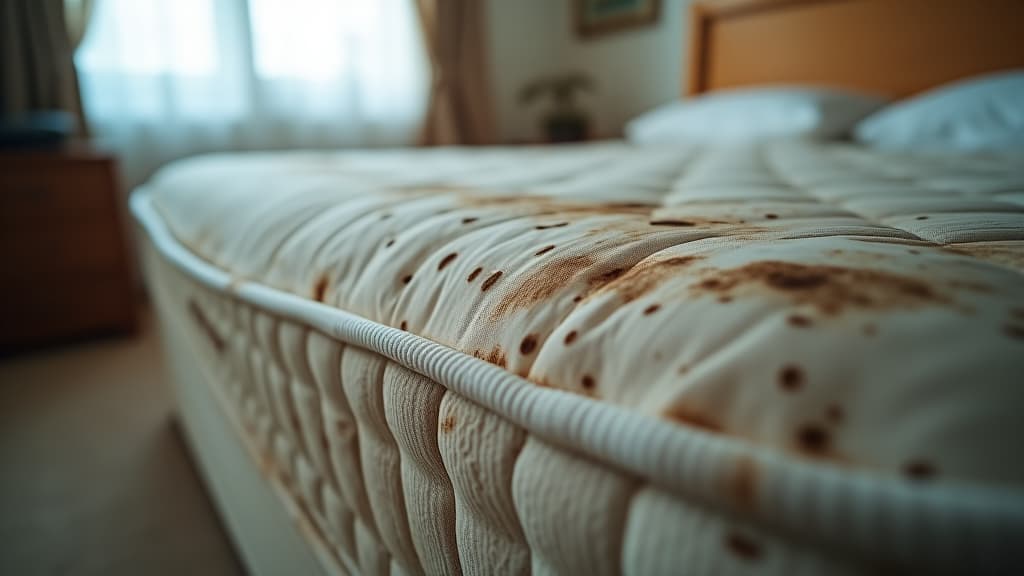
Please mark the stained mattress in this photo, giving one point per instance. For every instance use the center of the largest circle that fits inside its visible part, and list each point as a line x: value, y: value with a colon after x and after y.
x: 820, y: 307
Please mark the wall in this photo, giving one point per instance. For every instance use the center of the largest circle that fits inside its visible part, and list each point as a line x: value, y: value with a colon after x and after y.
x: 634, y: 69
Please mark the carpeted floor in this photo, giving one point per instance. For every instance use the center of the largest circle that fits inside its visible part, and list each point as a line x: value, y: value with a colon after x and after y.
x: 94, y: 475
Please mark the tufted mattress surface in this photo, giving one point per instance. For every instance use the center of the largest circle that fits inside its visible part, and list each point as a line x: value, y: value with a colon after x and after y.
x: 825, y: 304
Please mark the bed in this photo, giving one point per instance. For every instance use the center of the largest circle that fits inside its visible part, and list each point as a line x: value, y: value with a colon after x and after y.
x: 781, y: 358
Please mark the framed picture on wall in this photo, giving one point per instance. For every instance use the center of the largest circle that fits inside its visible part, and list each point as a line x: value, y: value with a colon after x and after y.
x: 598, y: 17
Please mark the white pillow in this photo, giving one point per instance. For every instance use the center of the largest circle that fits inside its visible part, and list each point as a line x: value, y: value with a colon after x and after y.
x: 745, y: 115
x: 980, y: 113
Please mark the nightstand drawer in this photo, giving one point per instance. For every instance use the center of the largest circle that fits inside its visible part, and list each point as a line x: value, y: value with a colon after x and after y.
x: 64, y: 269
x: 59, y: 217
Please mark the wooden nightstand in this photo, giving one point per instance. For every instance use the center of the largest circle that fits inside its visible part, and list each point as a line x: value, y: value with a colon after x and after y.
x: 64, y: 267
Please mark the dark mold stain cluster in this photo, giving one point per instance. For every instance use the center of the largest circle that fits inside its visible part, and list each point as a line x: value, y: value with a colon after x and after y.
x: 496, y: 356
x: 828, y: 288
x: 742, y: 546
x: 320, y: 290
x: 448, y: 424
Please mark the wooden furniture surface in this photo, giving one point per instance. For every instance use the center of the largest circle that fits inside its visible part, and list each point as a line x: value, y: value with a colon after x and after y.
x: 64, y: 268
x: 893, y: 48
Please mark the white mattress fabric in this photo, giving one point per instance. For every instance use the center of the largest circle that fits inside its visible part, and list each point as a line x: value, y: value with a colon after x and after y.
x: 858, y: 312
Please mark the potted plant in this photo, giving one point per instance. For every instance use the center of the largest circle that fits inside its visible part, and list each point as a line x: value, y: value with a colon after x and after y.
x: 565, y: 121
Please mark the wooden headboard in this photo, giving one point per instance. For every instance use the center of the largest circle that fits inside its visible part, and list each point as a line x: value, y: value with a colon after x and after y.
x: 889, y: 47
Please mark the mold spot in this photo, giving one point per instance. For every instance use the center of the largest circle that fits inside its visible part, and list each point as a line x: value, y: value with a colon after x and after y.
x: 798, y: 320
x: 528, y: 345
x: 490, y: 281
x: 771, y: 216
x: 834, y: 413
x: 813, y: 439
x: 578, y: 298
x: 320, y: 290
x: 547, y: 226
x: 545, y: 250
x: 588, y: 382
x: 921, y: 218
x: 791, y: 378
x: 407, y: 278
x: 652, y: 309
x: 919, y: 470
x: 828, y: 288
x: 668, y: 222
x: 472, y: 275
x: 404, y: 325
x: 448, y: 424
x: 496, y: 356
x: 1014, y: 331
x: 571, y: 337
x: 742, y: 546
x: 469, y: 220
x: 694, y: 419
x: 390, y: 243
x: 447, y: 260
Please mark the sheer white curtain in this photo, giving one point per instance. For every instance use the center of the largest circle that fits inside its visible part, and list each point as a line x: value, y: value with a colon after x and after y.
x: 162, y: 79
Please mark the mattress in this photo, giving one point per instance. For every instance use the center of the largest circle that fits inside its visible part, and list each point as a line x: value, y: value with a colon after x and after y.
x: 783, y: 358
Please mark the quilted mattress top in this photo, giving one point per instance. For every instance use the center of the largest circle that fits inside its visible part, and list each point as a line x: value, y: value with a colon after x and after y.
x: 826, y: 301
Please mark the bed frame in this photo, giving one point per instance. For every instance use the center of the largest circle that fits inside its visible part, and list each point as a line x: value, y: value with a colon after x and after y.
x: 893, y: 48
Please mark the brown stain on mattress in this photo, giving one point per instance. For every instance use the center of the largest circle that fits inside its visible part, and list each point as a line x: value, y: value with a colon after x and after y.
x: 448, y: 424
x: 472, y: 275
x: 528, y: 345
x: 407, y: 278
x: 320, y: 290
x: 828, y: 288
x: 742, y: 546
x: 496, y: 356
x: 551, y: 208
x: 693, y: 418
x: 1006, y: 256
x: 671, y: 222
x: 542, y: 283
x: 201, y: 320
x: 791, y: 378
x: 447, y: 260
x: 571, y: 337
x: 490, y: 281
x: 798, y: 320
x: 644, y: 277
x: 813, y: 440
x: 834, y: 413
x: 469, y: 220
x: 544, y: 250
x: 652, y: 309
x: 404, y: 325
x: 547, y: 226
x: 1014, y: 331
x: 588, y: 382
x: 919, y: 470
